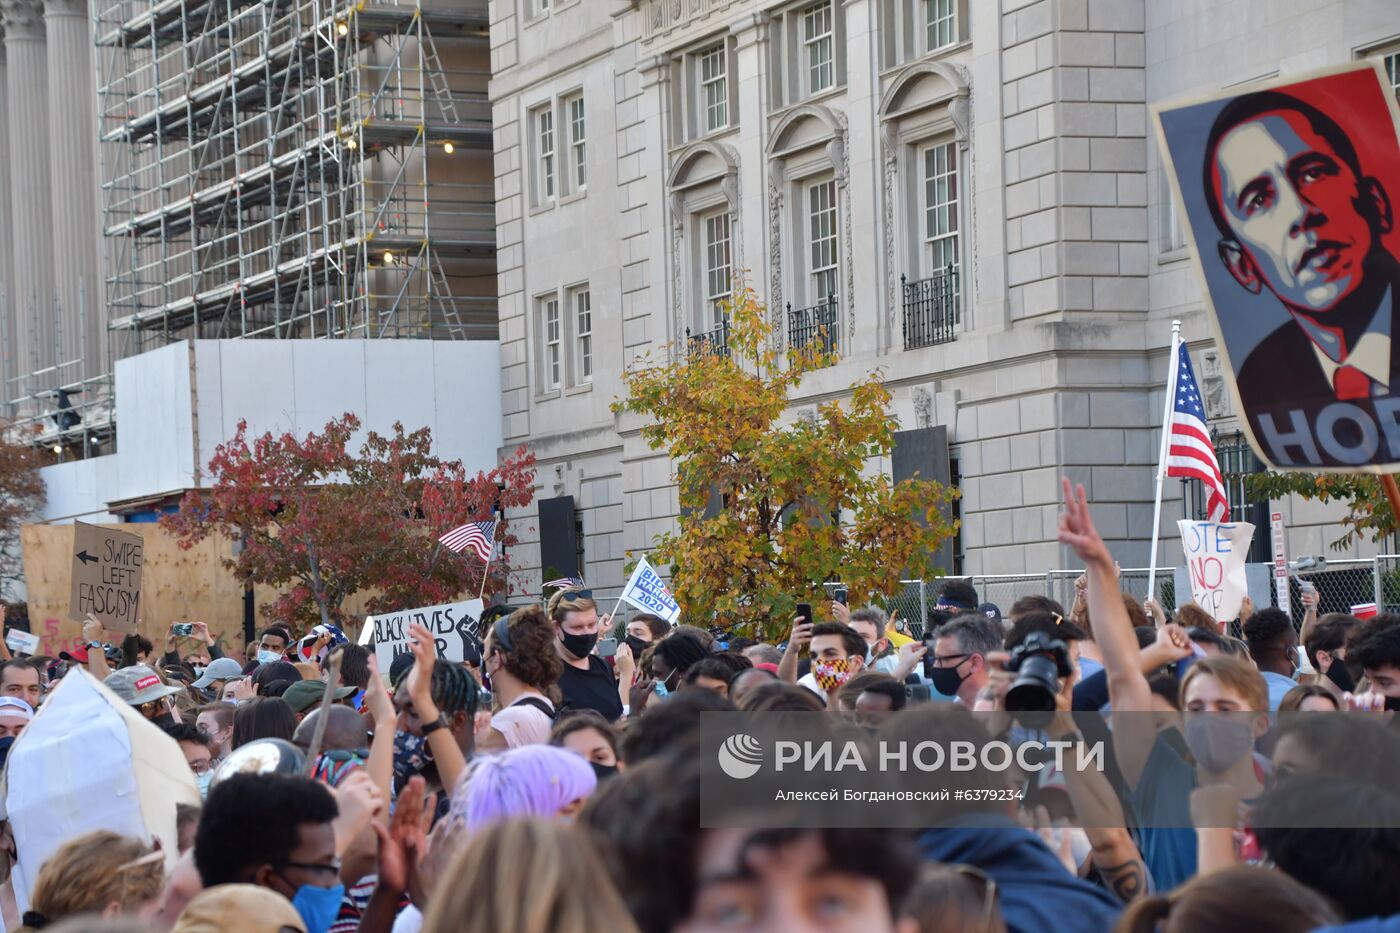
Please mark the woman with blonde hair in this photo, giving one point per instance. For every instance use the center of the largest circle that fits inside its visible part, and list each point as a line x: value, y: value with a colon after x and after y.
x: 587, y: 682
x: 99, y: 873
x: 529, y: 876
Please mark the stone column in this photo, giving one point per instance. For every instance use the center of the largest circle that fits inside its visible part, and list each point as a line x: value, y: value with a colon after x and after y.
x: 72, y: 170
x: 31, y: 207
x: 8, y: 316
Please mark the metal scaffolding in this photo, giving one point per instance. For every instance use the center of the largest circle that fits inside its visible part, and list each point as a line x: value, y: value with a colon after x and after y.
x: 295, y: 168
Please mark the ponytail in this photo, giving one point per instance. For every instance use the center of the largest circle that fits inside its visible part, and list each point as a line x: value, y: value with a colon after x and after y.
x: 1144, y: 914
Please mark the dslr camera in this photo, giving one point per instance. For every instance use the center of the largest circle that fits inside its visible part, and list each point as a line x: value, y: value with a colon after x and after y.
x: 1038, y: 662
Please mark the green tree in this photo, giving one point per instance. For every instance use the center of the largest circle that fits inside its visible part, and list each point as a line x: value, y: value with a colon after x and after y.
x: 802, y: 504
x: 1368, y: 511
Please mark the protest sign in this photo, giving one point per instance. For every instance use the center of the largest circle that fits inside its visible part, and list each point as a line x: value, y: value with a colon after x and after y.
x: 452, y: 624
x: 1288, y: 191
x: 88, y: 761
x: 1215, y: 556
x: 1282, y: 598
x: 647, y: 591
x: 106, y: 581
x: 22, y: 642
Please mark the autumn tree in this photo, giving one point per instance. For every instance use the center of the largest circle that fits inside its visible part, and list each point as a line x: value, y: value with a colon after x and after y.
x: 21, y: 495
x: 802, y: 502
x: 318, y: 522
x: 1368, y: 510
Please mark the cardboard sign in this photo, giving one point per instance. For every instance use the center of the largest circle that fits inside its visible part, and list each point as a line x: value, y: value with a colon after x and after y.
x: 22, y: 642
x: 1281, y: 594
x: 647, y: 591
x: 452, y: 625
x: 1289, y: 190
x: 106, y: 577
x: 1215, y: 556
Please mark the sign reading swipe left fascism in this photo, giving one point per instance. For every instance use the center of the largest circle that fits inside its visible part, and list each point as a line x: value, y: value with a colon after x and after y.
x: 106, y: 577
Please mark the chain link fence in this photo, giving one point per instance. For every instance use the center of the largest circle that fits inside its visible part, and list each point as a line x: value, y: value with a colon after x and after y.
x: 1340, y: 585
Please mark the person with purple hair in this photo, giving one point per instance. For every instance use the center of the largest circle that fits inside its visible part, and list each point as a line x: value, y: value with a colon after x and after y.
x: 533, y: 780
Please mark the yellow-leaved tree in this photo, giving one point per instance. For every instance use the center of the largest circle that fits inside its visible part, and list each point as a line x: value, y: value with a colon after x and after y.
x: 801, y: 504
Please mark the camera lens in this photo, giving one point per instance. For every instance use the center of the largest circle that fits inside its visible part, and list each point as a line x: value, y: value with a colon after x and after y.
x: 1035, y: 686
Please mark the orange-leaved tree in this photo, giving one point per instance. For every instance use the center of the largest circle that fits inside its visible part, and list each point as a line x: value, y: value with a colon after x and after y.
x: 319, y: 522
x: 802, y: 502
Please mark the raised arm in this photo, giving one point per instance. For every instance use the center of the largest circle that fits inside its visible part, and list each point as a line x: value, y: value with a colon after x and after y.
x: 1127, y: 686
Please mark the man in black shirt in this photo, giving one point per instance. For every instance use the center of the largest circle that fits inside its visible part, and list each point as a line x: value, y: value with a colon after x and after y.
x: 587, y: 682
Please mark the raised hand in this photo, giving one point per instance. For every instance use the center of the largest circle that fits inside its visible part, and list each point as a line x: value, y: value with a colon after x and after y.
x: 1077, y: 528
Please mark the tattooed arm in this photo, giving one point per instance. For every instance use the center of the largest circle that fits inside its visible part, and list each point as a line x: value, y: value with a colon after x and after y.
x: 1127, y: 877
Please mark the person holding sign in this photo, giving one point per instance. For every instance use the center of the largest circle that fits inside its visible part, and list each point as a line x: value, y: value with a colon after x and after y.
x: 586, y: 682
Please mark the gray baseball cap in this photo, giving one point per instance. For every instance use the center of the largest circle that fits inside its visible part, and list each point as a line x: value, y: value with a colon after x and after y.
x: 138, y: 684
x: 219, y: 669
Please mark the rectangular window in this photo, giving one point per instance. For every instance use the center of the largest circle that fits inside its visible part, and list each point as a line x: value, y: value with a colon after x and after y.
x: 552, y: 328
x: 544, y: 153
x: 940, y: 23
x: 578, y: 146
x: 818, y: 45
x: 941, y: 207
x: 714, y: 89
x: 821, y: 225
x: 538, y: 7
x: 583, y: 334
x: 719, y: 273
x: 1392, y: 70
x: 1172, y: 236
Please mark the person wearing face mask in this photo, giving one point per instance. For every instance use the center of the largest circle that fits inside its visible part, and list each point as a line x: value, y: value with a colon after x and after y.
x: 838, y: 654
x: 215, y: 721
x: 143, y: 689
x: 673, y: 656
x: 286, y: 842
x: 520, y: 659
x: 1225, y: 703
x: 959, y: 666
x: 1326, y: 646
x: 14, y: 716
x: 198, y: 755
x: 272, y: 647
x: 592, y: 737
x: 1273, y: 644
x: 586, y: 681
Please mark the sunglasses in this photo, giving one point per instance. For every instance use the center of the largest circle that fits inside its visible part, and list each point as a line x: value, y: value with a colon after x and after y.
x: 986, y: 887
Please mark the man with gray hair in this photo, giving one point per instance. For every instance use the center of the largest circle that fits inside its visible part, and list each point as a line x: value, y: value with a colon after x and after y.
x: 958, y: 663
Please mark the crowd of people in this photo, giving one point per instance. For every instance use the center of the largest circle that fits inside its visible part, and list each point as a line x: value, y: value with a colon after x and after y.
x: 546, y: 785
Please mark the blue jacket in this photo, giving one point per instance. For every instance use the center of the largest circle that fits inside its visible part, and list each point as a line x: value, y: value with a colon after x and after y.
x: 1370, y: 925
x: 1035, y: 890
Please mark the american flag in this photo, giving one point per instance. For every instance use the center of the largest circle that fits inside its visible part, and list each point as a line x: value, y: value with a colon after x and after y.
x: 1191, y: 453
x: 479, y: 536
x: 564, y: 583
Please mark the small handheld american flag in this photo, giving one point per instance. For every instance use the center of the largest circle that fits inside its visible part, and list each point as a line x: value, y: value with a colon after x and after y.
x: 564, y: 583
x: 479, y: 536
x: 1192, y: 454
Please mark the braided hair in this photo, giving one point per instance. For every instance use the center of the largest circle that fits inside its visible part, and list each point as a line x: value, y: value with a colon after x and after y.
x: 455, y: 690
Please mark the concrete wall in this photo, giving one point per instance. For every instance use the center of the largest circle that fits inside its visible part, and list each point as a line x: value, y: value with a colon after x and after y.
x: 1068, y: 289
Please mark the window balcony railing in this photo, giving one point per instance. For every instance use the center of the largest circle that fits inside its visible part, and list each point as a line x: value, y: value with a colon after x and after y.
x: 711, y: 342
x: 816, y: 324
x: 931, y: 309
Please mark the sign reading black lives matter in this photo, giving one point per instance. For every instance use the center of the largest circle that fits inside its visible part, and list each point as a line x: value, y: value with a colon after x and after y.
x: 452, y: 625
x: 106, y: 577
x: 1289, y: 190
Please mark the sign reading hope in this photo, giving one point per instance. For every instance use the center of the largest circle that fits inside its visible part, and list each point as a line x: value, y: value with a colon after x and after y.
x: 1215, y: 557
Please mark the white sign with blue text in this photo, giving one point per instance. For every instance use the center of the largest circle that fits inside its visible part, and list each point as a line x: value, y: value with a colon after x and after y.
x: 647, y: 591
x: 1215, y: 556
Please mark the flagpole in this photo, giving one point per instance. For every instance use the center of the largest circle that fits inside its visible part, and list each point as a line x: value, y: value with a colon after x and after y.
x: 1168, y: 407
x: 486, y: 571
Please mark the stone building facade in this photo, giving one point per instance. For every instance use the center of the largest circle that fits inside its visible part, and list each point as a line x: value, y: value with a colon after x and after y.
x: 967, y: 192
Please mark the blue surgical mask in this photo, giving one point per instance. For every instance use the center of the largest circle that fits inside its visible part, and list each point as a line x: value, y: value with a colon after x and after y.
x: 203, y: 781
x: 661, y: 690
x: 318, y: 906
x: 268, y: 657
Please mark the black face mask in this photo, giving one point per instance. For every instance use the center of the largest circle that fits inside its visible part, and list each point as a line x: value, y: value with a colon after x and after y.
x: 580, y: 646
x: 1392, y: 703
x: 1340, y: 676
x: 603, y: 772
x: 163, y: 720
x: 9, y: 740
x: 637, y: 645
x: 947, y: 680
